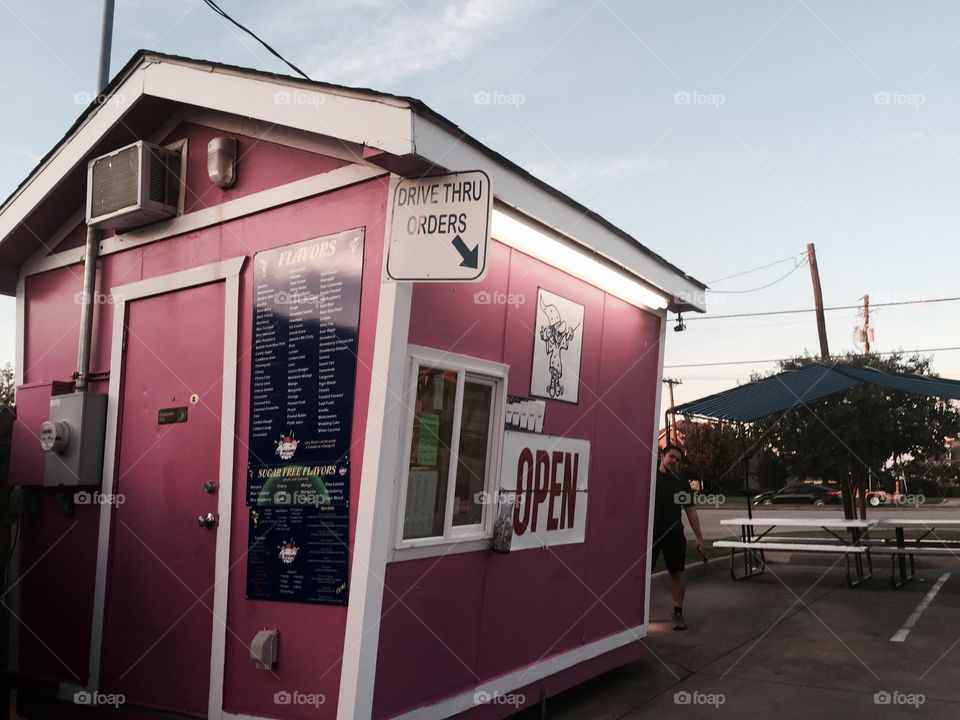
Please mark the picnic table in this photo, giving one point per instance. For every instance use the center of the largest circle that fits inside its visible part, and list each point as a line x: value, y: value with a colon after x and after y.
x: 902, y: 549
x: 752, y: 545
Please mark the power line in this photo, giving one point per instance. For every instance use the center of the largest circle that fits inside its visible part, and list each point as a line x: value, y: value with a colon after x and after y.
x: 776, y: 360
x: 806, y: 310
x: 747, y: 272
x: 762, y: 287
x: 219, y: 11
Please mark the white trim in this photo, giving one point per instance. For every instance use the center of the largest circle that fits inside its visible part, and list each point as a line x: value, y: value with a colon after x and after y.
x: 277, y: 134
x: 653, y: 466
x: 181, y: 146
x: 369, y: 122
x: 109, y: 463
x: 215, y: 215
x: 178, y: 280
x: 498, y: 374
x: 447, y: 150
x: 438, y: 548
x: 20, y: 338
x: 371, y: 540
x: 228, y: 414
x: 229, y: 271
x: 524, y: 676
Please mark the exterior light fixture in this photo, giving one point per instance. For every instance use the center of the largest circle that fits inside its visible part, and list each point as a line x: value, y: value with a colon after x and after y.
x: 222, y: 161
x: 565, y: 257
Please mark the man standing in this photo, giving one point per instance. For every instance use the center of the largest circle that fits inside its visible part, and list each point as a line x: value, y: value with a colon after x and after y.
x: 673, y: 493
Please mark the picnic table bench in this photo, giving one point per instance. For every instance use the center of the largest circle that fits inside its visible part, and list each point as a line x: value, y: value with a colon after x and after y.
x: 753, y: 546
x: 901, y: 549
x: 858, y: 546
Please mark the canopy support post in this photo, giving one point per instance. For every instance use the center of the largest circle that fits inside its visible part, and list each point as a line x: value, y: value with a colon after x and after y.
x: 746, y: 470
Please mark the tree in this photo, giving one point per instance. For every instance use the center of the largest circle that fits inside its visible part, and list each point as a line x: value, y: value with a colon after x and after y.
x: 714, y: 454
x: 6, y: 387
x: 865, y: 429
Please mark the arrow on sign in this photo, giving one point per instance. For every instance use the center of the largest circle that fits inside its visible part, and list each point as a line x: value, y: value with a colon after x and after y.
x: 469, y: 256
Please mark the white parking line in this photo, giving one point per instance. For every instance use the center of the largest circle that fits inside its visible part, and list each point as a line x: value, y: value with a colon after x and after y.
x: 901, y: 634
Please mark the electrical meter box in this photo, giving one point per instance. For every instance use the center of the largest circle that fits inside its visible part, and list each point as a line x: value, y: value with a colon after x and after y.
x: 73, y: 439
x: 27, y: 458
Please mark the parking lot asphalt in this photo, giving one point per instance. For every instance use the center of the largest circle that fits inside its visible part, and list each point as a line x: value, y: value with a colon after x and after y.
x: 795, y: 642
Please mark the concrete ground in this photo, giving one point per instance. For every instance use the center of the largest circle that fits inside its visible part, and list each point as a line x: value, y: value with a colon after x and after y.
x: 794, y: 643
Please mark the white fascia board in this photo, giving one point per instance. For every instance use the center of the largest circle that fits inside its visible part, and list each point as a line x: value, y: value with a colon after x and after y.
x: 373, y: 123
x: 70, y: 152
x: 440, y: 146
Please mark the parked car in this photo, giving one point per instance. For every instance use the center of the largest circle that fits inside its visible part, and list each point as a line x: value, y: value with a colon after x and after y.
x: 799, y: 494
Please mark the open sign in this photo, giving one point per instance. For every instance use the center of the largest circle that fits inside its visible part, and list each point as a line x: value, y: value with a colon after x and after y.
x: 548, y: 476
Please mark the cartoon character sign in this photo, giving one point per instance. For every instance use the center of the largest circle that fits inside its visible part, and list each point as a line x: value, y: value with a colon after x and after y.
x: 288, y: 552
x: 557, y: 348
x: 287, y: 447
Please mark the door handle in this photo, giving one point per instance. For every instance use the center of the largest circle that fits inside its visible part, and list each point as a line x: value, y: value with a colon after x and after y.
x: 207, y: 521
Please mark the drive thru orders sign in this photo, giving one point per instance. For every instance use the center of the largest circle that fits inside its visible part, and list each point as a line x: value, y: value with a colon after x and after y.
x: 440, y: 228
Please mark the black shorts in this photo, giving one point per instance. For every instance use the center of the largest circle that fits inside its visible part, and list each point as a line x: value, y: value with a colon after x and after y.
x: 673, y: 545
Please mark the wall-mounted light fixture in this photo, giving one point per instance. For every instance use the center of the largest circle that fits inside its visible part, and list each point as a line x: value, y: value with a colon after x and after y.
x: 564, y: 256
x: 222, y: 161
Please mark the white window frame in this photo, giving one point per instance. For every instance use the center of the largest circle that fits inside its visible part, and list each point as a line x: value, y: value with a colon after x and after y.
x: 455, y: 539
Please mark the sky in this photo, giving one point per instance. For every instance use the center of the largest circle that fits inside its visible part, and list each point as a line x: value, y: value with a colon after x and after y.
x: 724, y: 136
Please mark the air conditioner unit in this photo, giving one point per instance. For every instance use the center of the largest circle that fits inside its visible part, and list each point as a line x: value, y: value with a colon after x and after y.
x: 135, y: 185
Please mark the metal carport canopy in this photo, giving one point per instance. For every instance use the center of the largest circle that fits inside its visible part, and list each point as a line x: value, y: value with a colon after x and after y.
x: 788, y: 389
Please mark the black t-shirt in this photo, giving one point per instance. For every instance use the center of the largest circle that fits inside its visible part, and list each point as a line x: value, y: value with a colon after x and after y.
x: 673, y: 494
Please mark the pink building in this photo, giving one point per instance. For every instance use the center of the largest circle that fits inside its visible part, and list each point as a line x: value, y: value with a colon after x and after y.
x: 275, y: 492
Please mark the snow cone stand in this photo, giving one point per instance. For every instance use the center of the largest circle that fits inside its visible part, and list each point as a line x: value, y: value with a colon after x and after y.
x: 361, y: 420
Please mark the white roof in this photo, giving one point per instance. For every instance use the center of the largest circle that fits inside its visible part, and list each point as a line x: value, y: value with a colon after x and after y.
x: 399, y: 133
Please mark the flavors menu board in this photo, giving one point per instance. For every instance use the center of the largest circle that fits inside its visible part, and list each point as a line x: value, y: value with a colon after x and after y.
x: 306, y: 312
x: 297, y: 554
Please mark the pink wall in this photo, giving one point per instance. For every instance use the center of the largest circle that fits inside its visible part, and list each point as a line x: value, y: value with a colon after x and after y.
x: 528, y: 604
x: 490, y: 614
x: 311, y: 635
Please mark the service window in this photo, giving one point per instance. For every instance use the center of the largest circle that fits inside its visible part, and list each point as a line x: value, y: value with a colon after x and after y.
x: 453, y: 437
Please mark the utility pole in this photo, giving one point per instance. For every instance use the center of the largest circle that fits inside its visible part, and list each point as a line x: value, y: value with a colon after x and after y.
x: 866, y: 324
x: 106, y: 42
x: 673, y: 424
x: 818, y: 301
